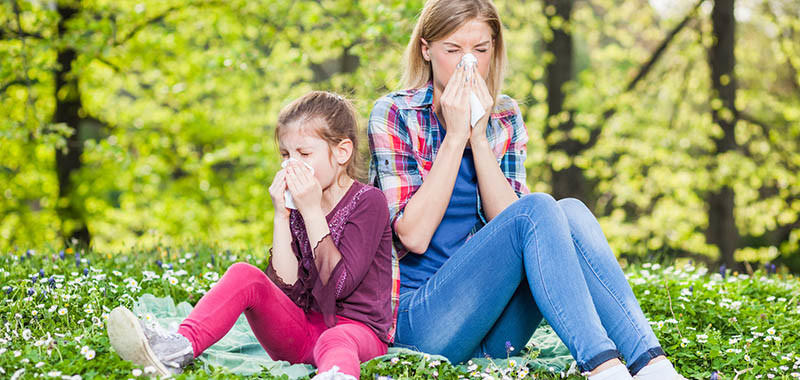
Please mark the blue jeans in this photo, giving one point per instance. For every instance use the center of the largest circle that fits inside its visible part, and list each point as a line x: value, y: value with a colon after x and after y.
x: 479, y: 299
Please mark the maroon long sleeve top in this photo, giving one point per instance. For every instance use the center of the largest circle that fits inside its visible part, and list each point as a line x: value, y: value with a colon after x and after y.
x: 359, y: 286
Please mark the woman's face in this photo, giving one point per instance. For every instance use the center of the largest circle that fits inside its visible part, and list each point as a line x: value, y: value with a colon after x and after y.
x: 473, y: 37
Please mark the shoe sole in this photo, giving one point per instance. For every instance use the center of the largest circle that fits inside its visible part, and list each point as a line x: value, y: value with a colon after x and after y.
x: 128, y: 339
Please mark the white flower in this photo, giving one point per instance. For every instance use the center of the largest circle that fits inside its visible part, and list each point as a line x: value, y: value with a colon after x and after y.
x: 17, y: 354
x: 62, y: 311
x: 173, y: 281
x: 39, y: 365
x: 770, y: 298
x: 88, y: 309
x: 149, y: 369
x: 84, y: 350
x: 747, y: 358
x: 18, y: 374
x: 771, y: 331
x: 90, y: 355
x: 54, y: 374
x: 136, y: 372
x: 26, y: 334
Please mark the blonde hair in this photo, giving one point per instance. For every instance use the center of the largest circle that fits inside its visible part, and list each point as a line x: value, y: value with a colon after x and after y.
x: 440, y: 18
x: 336, y: 112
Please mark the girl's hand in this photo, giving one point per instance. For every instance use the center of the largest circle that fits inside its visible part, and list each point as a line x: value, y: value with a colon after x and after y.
x: 304, y: 187
x: 276, y: 190
x: 483, y: 94
x: 455, y: 102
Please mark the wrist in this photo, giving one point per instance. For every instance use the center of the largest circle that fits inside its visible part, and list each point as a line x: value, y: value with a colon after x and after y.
x: 456, y: 140
x: 311, y: 213
x: 479, y: 141
x: 281, y: 218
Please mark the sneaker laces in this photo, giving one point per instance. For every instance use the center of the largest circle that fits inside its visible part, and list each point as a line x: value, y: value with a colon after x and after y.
x: 152, y: 329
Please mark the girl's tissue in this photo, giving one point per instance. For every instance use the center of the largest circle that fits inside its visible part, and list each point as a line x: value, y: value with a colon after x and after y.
x: 287, y: 196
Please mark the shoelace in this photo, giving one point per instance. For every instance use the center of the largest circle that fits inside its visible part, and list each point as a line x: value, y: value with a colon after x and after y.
x: 168, y: 336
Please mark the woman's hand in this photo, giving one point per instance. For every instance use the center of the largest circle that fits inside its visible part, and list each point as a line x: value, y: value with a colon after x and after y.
x: 276, y: 190
x: 482, y: 92
x: 455, y: 102
x: 304, y: 187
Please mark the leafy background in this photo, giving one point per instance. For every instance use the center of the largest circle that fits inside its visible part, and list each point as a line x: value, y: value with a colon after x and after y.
x: 139, y: 123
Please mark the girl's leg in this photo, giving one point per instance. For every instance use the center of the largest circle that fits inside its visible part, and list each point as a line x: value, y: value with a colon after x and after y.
x: 346, y: 346
x: 455, y: 310
x: 613, y: 298
x: 280, y: 326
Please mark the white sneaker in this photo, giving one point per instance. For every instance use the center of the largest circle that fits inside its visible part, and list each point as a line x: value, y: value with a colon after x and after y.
x: 148, y: 345
x: 679, y: 377
x: 333, y: 374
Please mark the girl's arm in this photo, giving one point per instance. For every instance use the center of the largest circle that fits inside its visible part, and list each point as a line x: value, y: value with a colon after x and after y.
x: 283, y: 260
x: 307, y: 194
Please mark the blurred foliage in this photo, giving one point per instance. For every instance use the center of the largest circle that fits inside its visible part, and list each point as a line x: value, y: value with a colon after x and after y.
x: 181, y: 98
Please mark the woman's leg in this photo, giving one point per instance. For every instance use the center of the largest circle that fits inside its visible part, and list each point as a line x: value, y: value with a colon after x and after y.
x: 346, y: 346
x: 616, y: 305
x: 280, y: 326
x: 515, y: 325
x: 455, y: 310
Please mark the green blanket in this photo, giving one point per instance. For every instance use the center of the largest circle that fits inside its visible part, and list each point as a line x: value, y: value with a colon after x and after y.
x: 240, y: 352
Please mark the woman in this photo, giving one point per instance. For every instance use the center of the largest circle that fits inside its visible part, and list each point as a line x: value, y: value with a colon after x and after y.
x: 479, y: 265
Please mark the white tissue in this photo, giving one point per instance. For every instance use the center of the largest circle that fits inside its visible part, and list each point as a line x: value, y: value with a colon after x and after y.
x: 475, y: 107
x: 287, y: 196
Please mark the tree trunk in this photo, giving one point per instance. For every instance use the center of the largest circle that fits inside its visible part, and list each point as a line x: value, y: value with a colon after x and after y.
x: 569, y: 181
x: 722, y: 230
x: 68, y: 160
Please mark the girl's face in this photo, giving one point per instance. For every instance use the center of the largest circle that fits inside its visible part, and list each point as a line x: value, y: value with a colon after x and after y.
x: 473, y: 37
x: 300, y: 142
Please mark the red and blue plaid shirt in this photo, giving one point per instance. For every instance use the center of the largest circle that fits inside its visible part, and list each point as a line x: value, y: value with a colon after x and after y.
x: 404, y: 138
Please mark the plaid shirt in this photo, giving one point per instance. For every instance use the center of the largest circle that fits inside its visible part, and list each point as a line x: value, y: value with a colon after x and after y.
x: 404, y: 138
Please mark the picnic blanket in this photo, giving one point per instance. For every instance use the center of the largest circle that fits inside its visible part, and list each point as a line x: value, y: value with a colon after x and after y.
x: 240, y: 352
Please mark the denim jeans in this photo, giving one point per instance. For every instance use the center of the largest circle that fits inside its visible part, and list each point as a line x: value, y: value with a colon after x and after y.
x: 538, y: 258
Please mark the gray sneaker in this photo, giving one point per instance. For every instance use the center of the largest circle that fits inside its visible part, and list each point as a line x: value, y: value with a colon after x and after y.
x: 148, y: 344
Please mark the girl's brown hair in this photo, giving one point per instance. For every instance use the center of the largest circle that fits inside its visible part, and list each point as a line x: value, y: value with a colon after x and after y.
x: 336, y: 112
x: 440, y: 18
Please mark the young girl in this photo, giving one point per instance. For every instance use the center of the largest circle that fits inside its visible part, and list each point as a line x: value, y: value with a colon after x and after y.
x: 484, y: 260
x: 325, y: 298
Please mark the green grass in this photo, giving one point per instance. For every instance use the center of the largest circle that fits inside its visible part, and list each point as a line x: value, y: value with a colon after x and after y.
x: 53, y: 324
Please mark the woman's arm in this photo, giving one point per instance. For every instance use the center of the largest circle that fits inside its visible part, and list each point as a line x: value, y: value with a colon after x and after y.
x: 496, y: 192
x: 495, y: 188
x: 423, y: 212
x: 426, y: 208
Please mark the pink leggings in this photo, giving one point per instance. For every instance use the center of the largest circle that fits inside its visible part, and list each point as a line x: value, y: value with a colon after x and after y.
x: 284, y: 330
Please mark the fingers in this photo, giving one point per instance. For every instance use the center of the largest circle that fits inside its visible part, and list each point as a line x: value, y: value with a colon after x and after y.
x: 279, y: 182
x: 292, y: 180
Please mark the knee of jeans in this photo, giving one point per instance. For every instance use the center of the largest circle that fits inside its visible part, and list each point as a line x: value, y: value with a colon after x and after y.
x: 573, y: 206
x: 541, y: 205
